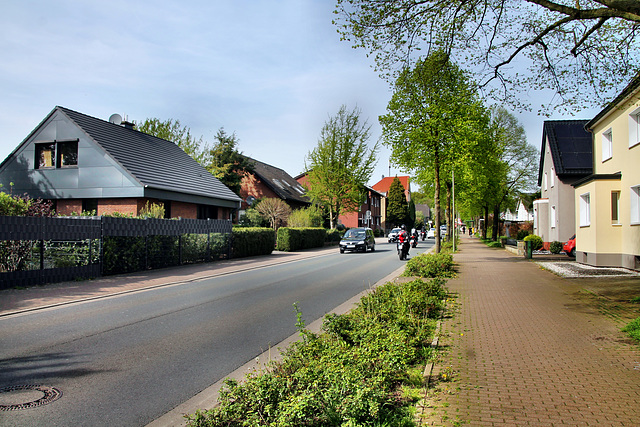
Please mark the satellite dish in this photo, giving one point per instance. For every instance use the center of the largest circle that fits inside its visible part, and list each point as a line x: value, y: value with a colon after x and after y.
x: 116, y: 119
x: 250, y: 200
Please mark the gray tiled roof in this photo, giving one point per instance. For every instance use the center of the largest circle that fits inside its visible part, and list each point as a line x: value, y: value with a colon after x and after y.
x: 286, y: 187
x: 570, y: 145
x: 152, y: 161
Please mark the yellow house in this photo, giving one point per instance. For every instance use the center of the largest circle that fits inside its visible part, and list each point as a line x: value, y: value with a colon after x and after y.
x: 608, y: 202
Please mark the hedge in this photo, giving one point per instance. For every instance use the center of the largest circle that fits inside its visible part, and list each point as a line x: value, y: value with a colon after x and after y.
x: 293, y: 239
x: 252, y: 241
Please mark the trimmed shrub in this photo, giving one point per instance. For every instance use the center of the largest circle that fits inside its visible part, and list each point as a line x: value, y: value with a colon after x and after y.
x: 522, y: 234
x: 334, y: 235
x: 252, y: 241
x: 536, y: 241
x: 293, y: 239
x: 430, y: 265
x: 555, y: 247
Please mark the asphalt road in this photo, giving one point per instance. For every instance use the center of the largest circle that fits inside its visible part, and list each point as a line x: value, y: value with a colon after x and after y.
x: 126, y: 360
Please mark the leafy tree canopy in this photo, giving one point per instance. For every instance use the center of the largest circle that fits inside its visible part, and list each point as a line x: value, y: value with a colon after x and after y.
x: 227, y: 163
x: 341, y: 164
x: 584, y: 51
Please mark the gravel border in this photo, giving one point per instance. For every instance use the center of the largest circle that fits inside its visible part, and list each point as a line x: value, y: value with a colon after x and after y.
x: 574, y: 269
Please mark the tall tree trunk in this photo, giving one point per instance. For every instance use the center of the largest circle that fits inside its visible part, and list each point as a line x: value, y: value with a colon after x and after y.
x: 484, y: 223
x: 449, y: 212
x: 496, y: 223
x: 436, y: 196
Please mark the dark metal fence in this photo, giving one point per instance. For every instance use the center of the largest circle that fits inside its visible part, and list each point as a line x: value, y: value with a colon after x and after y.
x: 38, y: 250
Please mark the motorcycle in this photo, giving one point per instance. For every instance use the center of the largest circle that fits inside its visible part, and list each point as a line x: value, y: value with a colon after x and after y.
x: 414, y: 241
x: 423, y: 235
x: 403, y: 249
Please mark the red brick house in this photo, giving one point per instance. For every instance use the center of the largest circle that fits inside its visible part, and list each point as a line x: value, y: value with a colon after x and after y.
x: 382, y: 187
x: 272, y: 182
x: 83, y: 163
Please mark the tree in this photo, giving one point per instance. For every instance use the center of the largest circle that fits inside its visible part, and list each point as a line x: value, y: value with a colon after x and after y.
x: 517, y: 158
x: 173, y: 131
x: 432, y: 114
x: 341, y: 164
x: 275, y: 210
x: 397, y: 207
x: 585, y: 51
x: 227, y: 163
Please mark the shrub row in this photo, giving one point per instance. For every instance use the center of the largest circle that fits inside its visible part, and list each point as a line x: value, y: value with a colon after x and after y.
x: 358, y: 372
x: 293, y: 239
x: 252, y: 241
x: 430, y: 265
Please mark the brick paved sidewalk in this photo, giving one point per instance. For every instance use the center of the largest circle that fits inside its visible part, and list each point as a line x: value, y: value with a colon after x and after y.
x: 526, y: 349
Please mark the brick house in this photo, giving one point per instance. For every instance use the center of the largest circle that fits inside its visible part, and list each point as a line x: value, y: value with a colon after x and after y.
x: 83, y: 163
x: 382, y: 187
x: 268, y: 181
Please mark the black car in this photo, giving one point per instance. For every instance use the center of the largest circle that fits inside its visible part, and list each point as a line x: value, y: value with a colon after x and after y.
x: 358, y: 239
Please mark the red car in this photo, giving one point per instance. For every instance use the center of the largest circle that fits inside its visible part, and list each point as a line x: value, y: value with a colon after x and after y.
x: 570, y: 246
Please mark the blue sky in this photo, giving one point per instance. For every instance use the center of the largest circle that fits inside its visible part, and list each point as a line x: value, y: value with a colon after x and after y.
x: 270, y: 71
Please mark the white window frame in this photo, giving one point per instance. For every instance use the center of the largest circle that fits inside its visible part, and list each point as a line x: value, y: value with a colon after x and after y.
x: 553, y: 217
x: 634, y: 201
x: 634, y: 128
x: 545, y: 182
x: 585, y: 210
x: 615, y: 207
x: 553, y: 178
x: 607, y: 144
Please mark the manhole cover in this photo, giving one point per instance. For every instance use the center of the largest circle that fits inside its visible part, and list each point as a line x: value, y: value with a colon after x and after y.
x: 19, y: 397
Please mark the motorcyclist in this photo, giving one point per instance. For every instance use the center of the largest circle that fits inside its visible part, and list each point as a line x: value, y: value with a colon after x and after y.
x: 403, y: 237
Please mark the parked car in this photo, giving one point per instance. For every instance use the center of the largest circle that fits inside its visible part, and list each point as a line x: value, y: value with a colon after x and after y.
x: 431, y: 234
x: 570, y: 246
x: 393, y: 235
x: 358, y: 239
x: 443, y: 231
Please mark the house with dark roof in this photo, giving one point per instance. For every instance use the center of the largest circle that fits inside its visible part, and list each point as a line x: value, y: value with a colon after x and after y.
x: 83, y: 163
x: 268, y: 181
x: 565, y: 157
x: 608, y: 200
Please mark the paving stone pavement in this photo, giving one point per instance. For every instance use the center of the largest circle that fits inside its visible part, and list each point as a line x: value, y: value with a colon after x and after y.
x: 527, y: 347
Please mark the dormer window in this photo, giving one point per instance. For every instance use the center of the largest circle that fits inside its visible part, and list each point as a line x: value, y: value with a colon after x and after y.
x: 56, y: 154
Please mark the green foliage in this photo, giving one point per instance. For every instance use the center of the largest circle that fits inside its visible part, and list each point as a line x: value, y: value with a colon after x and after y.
x: 152, y: 210
x: 306, y: 217
x: 555, y: 247
x: 430, y: 265
x: 252, y: 241
x: 293, y: 239
x: 350, y: 375
x: 397, y: 206
x: 536, y: 241
x: 633, y: 329
x: 340, y: 166
x: 227, y: 163
x: 522, y: 234
x: 252, y: 218
x: 12, y: 206
x: 334, y: 235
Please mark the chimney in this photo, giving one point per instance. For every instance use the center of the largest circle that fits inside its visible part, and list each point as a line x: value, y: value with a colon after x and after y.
x: 128, y: 124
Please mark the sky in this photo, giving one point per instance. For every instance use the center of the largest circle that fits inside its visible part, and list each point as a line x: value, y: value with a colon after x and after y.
x: 271, y: 71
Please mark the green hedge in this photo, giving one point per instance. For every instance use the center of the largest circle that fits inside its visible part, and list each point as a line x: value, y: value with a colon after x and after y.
x: 334, y: 235
x: 293, y: 239
x: 252, y: 241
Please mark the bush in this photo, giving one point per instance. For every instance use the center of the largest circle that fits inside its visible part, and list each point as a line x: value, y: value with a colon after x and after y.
x: 307, y: 217
x: 334, y: 235
x: 350, y: 375
x: 252, y: 241
x: 536, y: 241
x: 522, y: 234
x: 555, y: 247
x: 430, y: 265
x: 293, y: 239
x: 633, y: 329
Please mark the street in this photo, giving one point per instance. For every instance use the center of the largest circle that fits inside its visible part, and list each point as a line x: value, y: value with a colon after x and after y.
x: 128, y: 359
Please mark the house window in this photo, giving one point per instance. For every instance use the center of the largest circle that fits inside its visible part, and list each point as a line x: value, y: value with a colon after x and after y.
x: 553, y: 217
x: 585, y: 210
x: 45, y: 156
x: 545, y: 182
x: 56, y: 154
x: 634, y: 128
x: 635, y: 204
x: 607, y: 142
x: 615, y: 207
x: 553, y: 179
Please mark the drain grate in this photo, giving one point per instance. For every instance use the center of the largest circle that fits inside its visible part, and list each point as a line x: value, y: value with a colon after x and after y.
x: 20, y: 393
